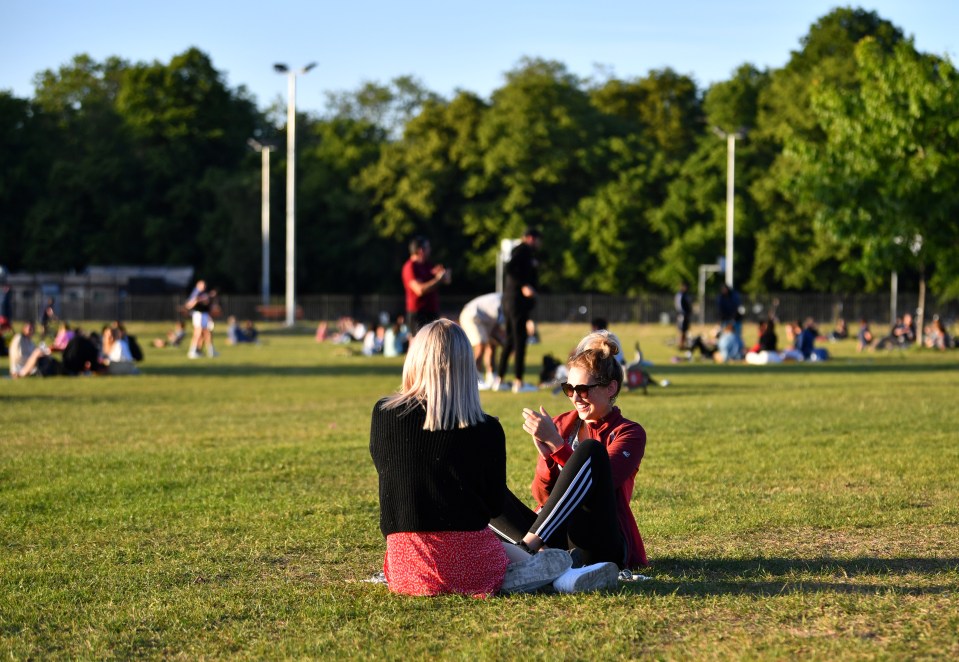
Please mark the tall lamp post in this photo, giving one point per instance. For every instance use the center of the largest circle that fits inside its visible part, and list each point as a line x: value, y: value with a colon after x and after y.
x: 730, y: 194
x: 264, y: 149
x: 291, y: 188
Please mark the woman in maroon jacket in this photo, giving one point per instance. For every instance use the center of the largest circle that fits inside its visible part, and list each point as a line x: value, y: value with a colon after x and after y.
x: 588, y: 459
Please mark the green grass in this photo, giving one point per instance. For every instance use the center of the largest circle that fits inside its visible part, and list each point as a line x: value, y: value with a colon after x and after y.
x: 227, y: 509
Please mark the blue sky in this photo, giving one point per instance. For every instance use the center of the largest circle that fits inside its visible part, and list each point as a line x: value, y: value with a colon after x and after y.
x: 446, y: 44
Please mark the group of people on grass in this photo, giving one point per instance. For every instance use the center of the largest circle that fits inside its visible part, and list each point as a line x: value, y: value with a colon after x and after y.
x: 112, y: 351
x: 725, y: 344
x: 903, y: 335
x: 74, y: 352
x: 451, y: 523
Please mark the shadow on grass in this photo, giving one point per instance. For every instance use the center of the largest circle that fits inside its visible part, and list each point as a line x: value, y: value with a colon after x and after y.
x: 763, y: 577
x: 213, y: 369
x: 838, y: 366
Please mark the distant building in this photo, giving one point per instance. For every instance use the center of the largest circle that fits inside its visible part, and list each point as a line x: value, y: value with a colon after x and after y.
x: 76, y: 295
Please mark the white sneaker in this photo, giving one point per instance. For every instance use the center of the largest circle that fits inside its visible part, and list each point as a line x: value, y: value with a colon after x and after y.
x: 498, y: 385
x: 483, y: 386
x: 595, y: 577
x: 192, y: 355
x: 524, y: 388
x: 540, y: 569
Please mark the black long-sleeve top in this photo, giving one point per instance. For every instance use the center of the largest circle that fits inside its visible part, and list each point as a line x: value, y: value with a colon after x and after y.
x: 443, y: 480
x: 520, y: 270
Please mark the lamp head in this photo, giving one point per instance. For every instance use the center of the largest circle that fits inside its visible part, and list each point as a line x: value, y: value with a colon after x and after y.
x: 309, y: 66
x: 280, y: 68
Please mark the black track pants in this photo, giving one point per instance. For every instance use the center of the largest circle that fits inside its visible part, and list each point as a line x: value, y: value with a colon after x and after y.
x: 580, y: 512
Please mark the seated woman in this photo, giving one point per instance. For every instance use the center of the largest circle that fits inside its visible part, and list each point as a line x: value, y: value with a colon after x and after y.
x: 116, y: 353
x: 730, y: 346
x: 63, y: 337
x: 936, y: 336
x: 441, y: 463
x: 588, y: 459
x: 236, y: 334
x: 26, y: 359
x: 765, y: 351
x: 173, y: 338
x: 841, y: 332
x: 864, y: 337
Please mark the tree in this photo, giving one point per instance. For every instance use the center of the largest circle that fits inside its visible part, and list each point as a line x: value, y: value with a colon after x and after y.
x: 791, y: 249
x: 24, y: 140
x: 538, y: 159
x: 91, y: 200
x: 340, y: 249
x: 691, y: 220
x: 419, y: 185
x: 663, y: 107
x: 390, y: 106
x: 185, y: 122
x: 886, y: 179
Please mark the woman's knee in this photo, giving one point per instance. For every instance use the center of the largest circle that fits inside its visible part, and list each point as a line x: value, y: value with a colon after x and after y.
x: 591, y: 447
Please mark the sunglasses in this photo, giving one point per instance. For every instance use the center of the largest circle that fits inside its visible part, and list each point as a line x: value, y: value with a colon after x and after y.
x: 581, y: 389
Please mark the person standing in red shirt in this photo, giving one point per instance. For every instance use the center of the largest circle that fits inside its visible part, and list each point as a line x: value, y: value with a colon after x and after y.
x: 421, y: 280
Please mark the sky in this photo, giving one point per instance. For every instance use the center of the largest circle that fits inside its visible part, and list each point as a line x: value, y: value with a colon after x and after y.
x: 447, y: 45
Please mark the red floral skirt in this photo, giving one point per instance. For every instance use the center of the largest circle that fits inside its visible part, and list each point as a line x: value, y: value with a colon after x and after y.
x: 466, y: 562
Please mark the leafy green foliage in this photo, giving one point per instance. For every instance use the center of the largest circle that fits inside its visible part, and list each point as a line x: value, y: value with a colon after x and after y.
x: 846, y: 156
x: 881, y: 178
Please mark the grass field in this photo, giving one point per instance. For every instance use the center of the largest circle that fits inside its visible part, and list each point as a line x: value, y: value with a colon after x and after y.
x: 227, y: 509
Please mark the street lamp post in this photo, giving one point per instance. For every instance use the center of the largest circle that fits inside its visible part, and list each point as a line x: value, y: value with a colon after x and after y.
x: 264, y: 149
x: 291, y: 188
x: 730, y: 195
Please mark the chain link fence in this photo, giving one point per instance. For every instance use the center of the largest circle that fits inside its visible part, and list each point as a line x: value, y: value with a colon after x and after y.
x: 578, y: 308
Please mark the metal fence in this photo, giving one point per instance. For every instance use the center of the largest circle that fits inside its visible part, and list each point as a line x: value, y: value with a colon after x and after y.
x: 580, y: 308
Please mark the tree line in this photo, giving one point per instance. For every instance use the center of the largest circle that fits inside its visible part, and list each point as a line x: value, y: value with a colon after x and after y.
x: 846, y: 171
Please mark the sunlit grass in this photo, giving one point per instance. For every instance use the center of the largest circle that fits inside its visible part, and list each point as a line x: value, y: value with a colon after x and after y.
x: 227, y: 508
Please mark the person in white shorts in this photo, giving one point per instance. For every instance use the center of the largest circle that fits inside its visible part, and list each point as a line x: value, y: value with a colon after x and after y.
x: 481, y: 319
x: 199, y: 304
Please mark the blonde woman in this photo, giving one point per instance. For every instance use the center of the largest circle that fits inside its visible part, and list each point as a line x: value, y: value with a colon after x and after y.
x: 441, y: 463
x: 588, y: 459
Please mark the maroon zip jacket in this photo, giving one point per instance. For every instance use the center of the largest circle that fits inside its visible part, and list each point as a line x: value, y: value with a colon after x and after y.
x: 625, y: 443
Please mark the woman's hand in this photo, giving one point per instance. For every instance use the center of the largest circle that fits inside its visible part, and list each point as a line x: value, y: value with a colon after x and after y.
x: 540, y: 426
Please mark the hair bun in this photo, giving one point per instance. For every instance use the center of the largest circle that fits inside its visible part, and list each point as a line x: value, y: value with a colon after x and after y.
x: 602, y: 342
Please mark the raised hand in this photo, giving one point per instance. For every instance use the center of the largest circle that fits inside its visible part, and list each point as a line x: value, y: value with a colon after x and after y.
x: 540, y: 426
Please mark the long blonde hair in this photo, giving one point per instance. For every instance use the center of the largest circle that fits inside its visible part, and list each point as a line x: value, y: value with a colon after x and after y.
x: 440, y: 374
x: 597, y: 354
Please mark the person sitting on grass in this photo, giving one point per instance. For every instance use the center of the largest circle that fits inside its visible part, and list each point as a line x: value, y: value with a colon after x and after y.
x: 730, y: 346
x: 441, y: 463
x: 806, y: 342
x: 764, y: 351
x: 864, y: 337
x: 28, y: 360
x: 115, y: 353
x: 936, y: 335
x: 63, y: 337
x: 237, y: 333
x: 587, y: 464
x: 173, y: 338
x: 902, y: 334
x: 81, y: 356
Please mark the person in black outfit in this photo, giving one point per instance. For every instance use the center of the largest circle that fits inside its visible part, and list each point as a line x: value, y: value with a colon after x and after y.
x: 684, y: 309
x: 441, y: 464
x: 81, y: 356
x: 519, y: 298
